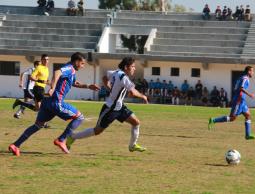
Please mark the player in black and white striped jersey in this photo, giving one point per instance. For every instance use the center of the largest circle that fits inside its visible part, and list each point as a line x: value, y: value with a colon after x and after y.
x: 27, y: 85
x: 119, y: 84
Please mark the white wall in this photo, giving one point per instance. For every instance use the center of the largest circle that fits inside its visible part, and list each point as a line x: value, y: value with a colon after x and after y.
x: 219, y: 75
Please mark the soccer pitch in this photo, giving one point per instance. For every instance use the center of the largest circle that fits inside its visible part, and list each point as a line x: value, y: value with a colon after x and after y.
x: 182, y: 156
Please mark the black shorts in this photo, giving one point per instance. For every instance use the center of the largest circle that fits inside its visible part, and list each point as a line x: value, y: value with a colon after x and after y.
x: 38, y: 93
x: 28, y: 93
x: 107, y: 116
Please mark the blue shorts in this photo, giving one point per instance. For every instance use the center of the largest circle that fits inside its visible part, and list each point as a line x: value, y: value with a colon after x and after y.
x: 239, y: 108
x: 51, y: 108
x: 107, y: 116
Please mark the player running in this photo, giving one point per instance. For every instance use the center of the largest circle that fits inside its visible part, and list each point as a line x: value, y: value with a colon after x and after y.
x: 118, y: 83
x: 40, y: 76
x: 54, y: 105
x: 27, y: 86
x: 239, y: 105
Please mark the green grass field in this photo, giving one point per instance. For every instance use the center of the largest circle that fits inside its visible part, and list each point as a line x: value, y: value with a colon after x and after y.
x: 182, y: 157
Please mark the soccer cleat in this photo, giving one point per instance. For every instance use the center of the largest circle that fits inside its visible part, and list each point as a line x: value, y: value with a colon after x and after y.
x: 14, y: 149
x: 16, y: 103
x: 137, y: 148
x: 210, y: 123
x: 249, y: 137
x: 17, y: 116
x: 69, y: 142
x: 61, y: 145
x: 46, y: 126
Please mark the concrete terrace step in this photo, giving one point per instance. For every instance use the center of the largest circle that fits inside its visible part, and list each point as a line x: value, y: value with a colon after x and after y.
x: 156, y: 22
x: 201, y: 36
x: 188, y: 48
x: 47, y: 37
x: 199, y: 42
x: 52, y: 31
x: 195, y: 54
x: 66, y: 25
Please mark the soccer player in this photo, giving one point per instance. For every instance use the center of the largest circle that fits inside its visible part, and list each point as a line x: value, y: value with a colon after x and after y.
x: 239, y: 105
x: 40, y: 76
x: 54, y: 105
x: 27, y: 86
x: 118, y: 83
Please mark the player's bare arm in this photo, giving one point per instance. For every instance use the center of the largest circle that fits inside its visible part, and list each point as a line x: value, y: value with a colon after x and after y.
x: 137, y: 94
x: 54, y: 81
x: 106, y: 83
x: 94, y: 87
x: 247, y: 93
x: 21, y: 77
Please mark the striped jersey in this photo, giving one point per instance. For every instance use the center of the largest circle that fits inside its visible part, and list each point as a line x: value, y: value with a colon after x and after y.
x: 242, y: 82
x: 120, y: 84
x: 27, y: 83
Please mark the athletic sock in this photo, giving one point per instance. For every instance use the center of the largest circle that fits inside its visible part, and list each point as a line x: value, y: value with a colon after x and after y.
x: 221, y: 119
x: 28, y: 105
x: 134, y: 135
x: 74, y: 124
x: 247, y: 128
x: 84, y: 134
x: 19, y: 111
x: 26, y: 134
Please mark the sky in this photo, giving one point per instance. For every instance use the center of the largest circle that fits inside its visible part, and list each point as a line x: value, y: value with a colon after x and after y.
x: 196, y: 5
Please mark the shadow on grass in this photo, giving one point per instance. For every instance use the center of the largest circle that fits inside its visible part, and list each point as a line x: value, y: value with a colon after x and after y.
x: 217, y: 165
x: 178, y: 136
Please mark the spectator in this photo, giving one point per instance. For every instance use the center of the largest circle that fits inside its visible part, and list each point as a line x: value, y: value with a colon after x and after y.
x: 224, y: 13
x: 184, y: 88
x: 145, y: 86
x: 190, y: 96
x: 164, y: 88
x: 103, y: 93
x: 71, y: 10
x: 205, y: 96
x: 170, y: 88
x: 139, y: 85
x: 199, y: 88
x: 237, y: 15
x: 215, y: 97
x: 206, y: 12
x: 176, y: 96
x: 50, y: 7
x: 218, y: 13
x: 151, y: 87
x: 229, y: 14
x: 223, y: 98
x: 80, y: 8
x: 242, y: 12
x: 247, y: 16
x: 41, y: 3
x: 158, y: 87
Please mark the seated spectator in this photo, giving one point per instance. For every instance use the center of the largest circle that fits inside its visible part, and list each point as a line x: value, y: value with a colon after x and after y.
x: 229, y: 14
x: 176, y: 96
x: 206, y: 12
x: 151, y: 87
x: 71, y: 10
x: 223, y: 98
x: 170, y: 88
x: 242, y: 12
x: 190, y: 96
x: 103, y: 93
x: 158, y: 87
x: 205, y: 96
x: 237, y: 15
x: 215, y: 97
x: 247, y: 16
x: 145, y: 86
x: 164, y: 88
x: 184, y: 88
x: 224, y: 13
x: 218, y: 13
x: 199, y: 88
x: 80, y: 8
x: 41, y: 3
x: 50, y: 7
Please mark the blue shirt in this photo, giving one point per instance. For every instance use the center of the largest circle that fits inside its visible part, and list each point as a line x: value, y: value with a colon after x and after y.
x: 151, y: 85
x: 185, y: 87
x: 158, y: 85
x: 242, y: 82
x: 170, y: 86
x: 65, y: 82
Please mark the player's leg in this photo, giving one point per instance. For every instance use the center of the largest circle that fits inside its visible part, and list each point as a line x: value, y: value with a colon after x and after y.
x: 28, y: 96
x: 247, y: 115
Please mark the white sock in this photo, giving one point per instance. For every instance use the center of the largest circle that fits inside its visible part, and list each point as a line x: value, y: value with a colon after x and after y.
x: 84, y: 134
x: 134, y: 135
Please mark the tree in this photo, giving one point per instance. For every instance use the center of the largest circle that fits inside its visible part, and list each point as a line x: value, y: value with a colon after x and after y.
x: 112, y: 4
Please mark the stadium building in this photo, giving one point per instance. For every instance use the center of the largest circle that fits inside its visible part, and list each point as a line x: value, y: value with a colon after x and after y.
x: 178, y: 47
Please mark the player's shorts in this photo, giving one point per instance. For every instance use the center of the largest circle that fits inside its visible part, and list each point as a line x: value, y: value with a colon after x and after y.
x: 107, y: 116
x: 38, y: 93
x: 28, y: 93
x: 51, y: 108
x: 239, y: 108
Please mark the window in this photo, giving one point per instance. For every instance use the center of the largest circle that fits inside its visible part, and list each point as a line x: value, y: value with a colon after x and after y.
x: 175, y: 71
x: 155, y: 70
x: 9, y: 68
x: 57, y: 66
x: 195, y: 72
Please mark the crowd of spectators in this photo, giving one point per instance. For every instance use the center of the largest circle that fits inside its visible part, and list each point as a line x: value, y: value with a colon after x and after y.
x: 240, y: 14
x: 73, y: 9
x: 46, y: 7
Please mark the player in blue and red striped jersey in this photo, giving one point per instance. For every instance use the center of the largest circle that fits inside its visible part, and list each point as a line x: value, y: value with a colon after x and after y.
x: 239, y: 105
x: 54, y: 105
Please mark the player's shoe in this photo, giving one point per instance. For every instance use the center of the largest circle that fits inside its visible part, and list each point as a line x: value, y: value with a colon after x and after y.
x: 46, y: 126
x: 14, y: 149
x: 136, y: 148
x: 249, y: 137
x: 17, y: 116
x: 210, y: 123
x: 69, y: 142
x: 16, y: 103
x: 61, y: 145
